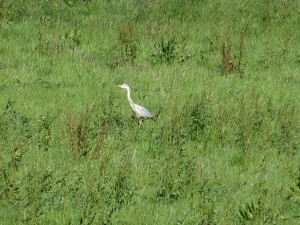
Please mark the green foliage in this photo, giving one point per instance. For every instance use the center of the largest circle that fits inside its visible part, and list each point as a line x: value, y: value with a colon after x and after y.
x: 250, y: 211
x: 166, y: 51
x: 169, y: 51
x: 44, y: 132
x: 125, y: 51
x: 220, y: 78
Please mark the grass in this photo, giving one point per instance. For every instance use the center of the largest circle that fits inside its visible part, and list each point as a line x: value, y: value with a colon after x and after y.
x: 221, y: 79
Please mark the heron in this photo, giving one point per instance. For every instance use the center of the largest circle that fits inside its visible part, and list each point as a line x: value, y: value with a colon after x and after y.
x: 140, y: 111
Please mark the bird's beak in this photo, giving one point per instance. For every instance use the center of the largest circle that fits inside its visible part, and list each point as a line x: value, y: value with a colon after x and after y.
x: 119, y: 86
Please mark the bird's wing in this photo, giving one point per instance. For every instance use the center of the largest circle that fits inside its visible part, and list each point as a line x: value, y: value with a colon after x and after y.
x: 142, y: 112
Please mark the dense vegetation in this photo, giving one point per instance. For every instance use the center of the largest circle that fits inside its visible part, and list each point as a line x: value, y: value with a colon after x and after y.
x: 220, y: 77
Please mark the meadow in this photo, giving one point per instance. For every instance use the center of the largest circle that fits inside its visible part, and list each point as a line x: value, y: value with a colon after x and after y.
x: 222, y: 79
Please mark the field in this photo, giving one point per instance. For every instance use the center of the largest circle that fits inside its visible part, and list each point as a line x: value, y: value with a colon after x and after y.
x: 222, y: 79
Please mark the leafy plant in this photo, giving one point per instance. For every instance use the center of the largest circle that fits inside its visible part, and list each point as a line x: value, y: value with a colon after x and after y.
x: 44, y: 132
x: 250, y: 211
x: 78, y: 133
x: 81, y: 136
x: 169, y: 50
x: 125, y: 51
x: 232, y: 59
x: 49, y: 44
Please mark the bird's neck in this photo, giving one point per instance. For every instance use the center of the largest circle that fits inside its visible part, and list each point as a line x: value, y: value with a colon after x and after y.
x: 128, y: 96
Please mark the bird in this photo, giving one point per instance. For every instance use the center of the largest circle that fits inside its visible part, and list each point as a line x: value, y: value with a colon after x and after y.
x: 140, y: 111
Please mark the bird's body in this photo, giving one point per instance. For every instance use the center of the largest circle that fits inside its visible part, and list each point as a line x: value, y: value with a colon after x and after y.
x: 140, y: 111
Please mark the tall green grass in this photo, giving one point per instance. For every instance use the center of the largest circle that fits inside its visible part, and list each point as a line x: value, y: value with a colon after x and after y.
x: 221, y: 79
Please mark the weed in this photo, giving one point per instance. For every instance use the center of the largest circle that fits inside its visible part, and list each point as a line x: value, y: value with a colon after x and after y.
x: 81, y: 135
x: 128, y: 39
x: 100, y: 140
x: 14, y: 10
x: 226, y: 57
x: 175, y: 132
x: 16, y: 133
x: 201, y: 116
x: 123, y: 191
x: 49, y: 44
x: 125, y: 51
x: 166, y: 51
x: 178, y: 173
x: 295, y: 190
x: 288, y: 130
x: 71, y: 39
x: 241, y: 50
x: 171, y: 185
x: 2, y: 11
x: 251, y: 211
x: 78, y: 133
x: 232, y: 60
x: 44, y: 132
x: 169, y: 50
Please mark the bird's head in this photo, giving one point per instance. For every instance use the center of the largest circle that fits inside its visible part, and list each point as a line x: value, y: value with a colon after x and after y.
x: 125, y: 86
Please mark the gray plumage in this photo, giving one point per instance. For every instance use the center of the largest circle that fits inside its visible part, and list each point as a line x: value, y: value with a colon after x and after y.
x: 140, y: 111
